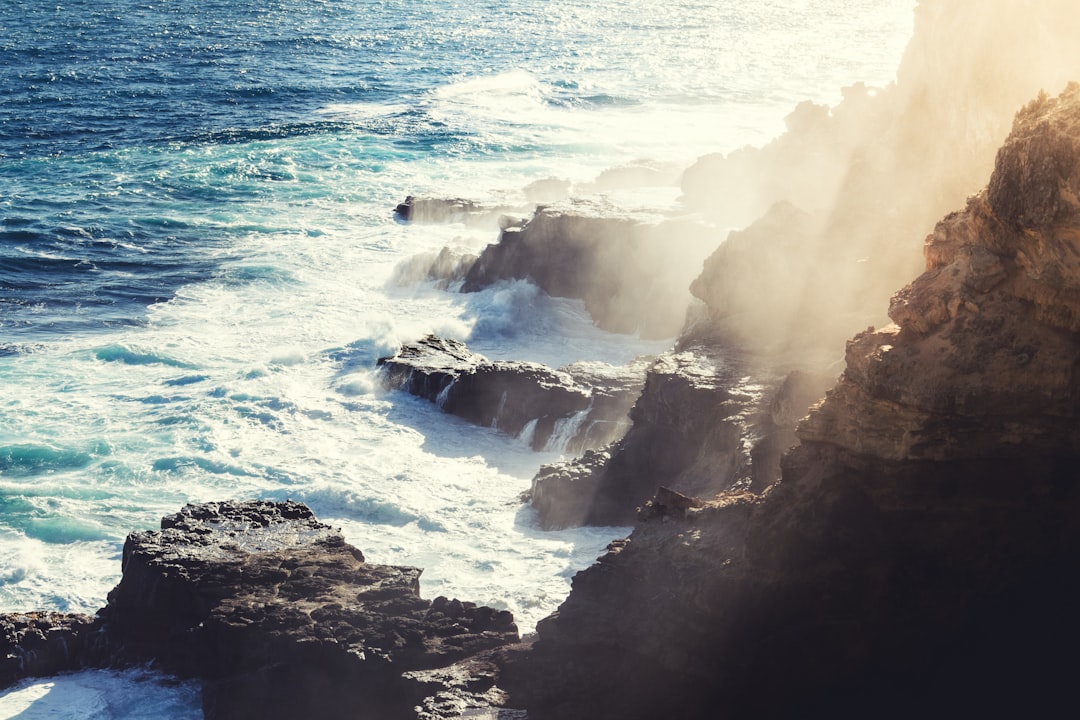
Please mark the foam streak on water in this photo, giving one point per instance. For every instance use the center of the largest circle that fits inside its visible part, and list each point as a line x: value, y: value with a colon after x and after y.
x: 196, y: 244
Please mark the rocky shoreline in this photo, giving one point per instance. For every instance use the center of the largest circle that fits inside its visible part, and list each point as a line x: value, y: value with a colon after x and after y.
x: 898, y: 541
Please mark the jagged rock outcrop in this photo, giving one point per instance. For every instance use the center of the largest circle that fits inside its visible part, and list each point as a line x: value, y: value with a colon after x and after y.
x: 873, y: 174
x: 702, y: 425
x: 983, y: 358
x: 581, y: 406
x: 632, y: 271
x: 919, y: 554
x: 279, y: 617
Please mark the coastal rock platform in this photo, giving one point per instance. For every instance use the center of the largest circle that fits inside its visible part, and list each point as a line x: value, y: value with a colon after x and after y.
x: 276, y: 614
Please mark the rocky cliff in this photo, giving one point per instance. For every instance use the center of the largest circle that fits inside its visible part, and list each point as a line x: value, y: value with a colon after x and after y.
x: 837, y: 209
x: 719, y: 410
x: 873, y: 174
x: 918, y: 555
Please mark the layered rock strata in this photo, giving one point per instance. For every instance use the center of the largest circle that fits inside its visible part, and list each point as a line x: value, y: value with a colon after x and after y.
x: 277, y: 614
x: 632, y: 271
x: 918, y: 554
x: 581, y: 406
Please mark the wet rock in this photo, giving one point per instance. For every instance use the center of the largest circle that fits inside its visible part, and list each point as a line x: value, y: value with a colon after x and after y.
x: 43, y: 643
x: 433, y: 210
x: 275, y: 613
x: 632, y: 271
x: 702, y: 425
x: 580, y: 406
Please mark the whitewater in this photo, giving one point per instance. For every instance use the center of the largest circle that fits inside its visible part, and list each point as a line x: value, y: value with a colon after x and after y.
x: 197, y: 248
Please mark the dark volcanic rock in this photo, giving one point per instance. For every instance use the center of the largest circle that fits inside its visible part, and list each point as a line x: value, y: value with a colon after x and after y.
x: 276, y: 614
x: 281, y: 617
x: 583, y: 405
x: 918, y: 555
x: 631, y: 272
x: 43, y: 643
x: 702, y: 425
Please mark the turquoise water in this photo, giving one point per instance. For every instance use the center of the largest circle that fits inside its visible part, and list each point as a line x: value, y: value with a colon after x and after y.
x: 196, y: 240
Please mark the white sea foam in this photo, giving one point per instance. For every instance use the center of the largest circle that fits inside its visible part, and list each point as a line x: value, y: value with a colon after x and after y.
x: 102, y: 695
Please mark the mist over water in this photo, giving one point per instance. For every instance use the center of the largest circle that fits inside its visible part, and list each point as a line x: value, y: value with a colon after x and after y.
x: 197, y: 247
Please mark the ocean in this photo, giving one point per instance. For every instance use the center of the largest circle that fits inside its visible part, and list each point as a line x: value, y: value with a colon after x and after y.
x: 197, y: 246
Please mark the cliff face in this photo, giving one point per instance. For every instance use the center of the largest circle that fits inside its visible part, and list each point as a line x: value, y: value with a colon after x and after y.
x: 982, y: 359
x: 843, y: 201
x: 873, y: 174
x: 919, y: 553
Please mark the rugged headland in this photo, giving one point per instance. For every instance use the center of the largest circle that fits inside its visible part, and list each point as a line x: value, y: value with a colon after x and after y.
x: 832, y: 216
x: 901, y: 546
x: 916, y: 556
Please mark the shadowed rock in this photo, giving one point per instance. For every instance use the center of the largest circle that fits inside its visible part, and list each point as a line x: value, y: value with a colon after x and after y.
x: 274, y: 612
x: 702, y: 425
x: 43, y: 643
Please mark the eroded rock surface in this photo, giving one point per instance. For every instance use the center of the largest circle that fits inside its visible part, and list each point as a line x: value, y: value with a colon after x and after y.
x: 43, y: 643
x: 982, y: 359
x: 275, y: 613
x: 574, y: 408
x: 702, y: 425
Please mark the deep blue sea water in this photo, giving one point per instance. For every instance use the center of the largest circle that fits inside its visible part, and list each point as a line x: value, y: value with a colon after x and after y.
x: 196, y: 240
